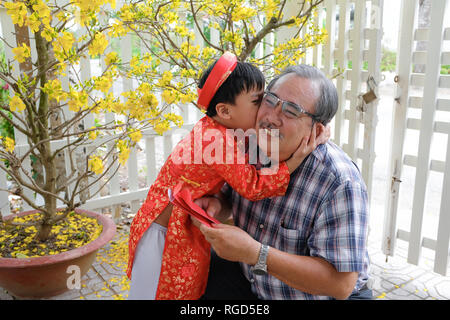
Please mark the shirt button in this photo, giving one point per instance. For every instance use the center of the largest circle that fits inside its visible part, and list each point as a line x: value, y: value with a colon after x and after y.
x: 252, y: 280
x: 261, y: 226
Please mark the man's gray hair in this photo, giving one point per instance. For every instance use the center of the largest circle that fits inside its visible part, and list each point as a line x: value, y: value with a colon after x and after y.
x: 327, y: 100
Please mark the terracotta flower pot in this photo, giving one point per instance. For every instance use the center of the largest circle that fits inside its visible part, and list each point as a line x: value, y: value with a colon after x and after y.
x: 48, y: 276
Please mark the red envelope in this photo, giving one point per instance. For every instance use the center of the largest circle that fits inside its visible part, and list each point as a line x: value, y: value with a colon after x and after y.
x: 182, y: 198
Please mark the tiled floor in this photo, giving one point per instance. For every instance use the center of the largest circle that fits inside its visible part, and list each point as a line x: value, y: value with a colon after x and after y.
x: 398, y: 280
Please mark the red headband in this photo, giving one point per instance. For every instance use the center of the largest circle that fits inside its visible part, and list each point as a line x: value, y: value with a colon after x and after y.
x: 222, y: 69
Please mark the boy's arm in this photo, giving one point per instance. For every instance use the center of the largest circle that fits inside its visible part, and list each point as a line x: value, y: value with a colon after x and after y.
x: 251, y: 183
x: 255, y: 184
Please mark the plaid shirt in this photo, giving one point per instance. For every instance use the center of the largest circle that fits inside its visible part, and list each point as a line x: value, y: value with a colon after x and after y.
x: 324, y: 213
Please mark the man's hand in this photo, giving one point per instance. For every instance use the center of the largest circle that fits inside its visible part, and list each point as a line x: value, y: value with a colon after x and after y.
x: 229, y: 242
x: 232, y: 243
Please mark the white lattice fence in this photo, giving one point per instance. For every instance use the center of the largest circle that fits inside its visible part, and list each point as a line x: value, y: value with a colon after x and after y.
x: 420, y: 141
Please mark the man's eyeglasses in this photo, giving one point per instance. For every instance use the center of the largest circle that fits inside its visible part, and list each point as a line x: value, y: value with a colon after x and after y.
x: 289, y: 109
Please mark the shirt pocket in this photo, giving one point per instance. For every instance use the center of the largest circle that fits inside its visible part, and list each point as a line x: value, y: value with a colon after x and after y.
x: 291, y: 241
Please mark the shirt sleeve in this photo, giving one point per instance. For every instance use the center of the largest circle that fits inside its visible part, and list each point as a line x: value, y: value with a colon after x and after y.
x: 246, y: 180
x: 340, y: 231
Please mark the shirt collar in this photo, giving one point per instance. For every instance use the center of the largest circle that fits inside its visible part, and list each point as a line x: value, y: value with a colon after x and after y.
x: 320, y: 152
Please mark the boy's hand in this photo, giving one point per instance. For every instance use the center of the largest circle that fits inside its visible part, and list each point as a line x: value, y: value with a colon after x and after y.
x: 211, y: 205
x: 319, y: 135
x: 308, y: 145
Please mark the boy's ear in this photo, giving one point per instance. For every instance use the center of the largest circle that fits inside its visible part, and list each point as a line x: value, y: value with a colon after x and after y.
x: 223, y: 110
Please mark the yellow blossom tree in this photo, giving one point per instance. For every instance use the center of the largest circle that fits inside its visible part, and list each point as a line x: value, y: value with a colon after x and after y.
x: 179, y: 35
x: 179, y: 40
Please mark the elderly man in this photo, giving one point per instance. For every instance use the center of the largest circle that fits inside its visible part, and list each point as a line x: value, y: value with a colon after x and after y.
x: 311, y: 242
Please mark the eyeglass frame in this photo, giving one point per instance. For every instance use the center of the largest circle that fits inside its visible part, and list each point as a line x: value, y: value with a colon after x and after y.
x: 296, y: 106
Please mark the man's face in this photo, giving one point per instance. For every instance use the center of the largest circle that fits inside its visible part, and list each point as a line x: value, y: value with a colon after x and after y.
x: 294, y: 89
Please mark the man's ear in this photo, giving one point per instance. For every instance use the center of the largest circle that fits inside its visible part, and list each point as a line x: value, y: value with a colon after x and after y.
x: 320, y: 128
x: 223, y: 110
x: 323, y: 133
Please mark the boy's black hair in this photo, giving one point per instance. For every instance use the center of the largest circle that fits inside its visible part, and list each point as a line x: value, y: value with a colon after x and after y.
x: 244, y: 77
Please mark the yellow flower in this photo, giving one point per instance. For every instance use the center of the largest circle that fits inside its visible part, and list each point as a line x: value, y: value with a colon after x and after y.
x: 8, y: 143
x: 17, y: 11
x: 161, y: 126
x: 93, y: 134
x: 178, y: 120
x: 207, y: 53
x: 123, y: 156
x: 150, y: 100
x: 166, y: 78
x: 33, y: 22
x: 98, y: 45
x: 53, y: 88
x: 181, y: 30
x: 111, y: 57
x: 126, y: 13
x: 136, y: 136
x: 66, y: 41
x: 42, y: 11
x: 16, y: 104
x: 21, y: 53
x: 102, y: 83
x: 170, y: 17
x: 117, y: 29
x: 49, y: 34
x: 124, y: 151
x: 136, y: 67
x: 77, y: 100
x: 96, y: 165
x: 112, y: 3
x: 242, y: 13
x: 168, y: 96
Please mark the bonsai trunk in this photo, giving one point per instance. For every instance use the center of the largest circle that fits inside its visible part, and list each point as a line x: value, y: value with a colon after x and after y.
x: 45, y: 151
x: 49, y: 211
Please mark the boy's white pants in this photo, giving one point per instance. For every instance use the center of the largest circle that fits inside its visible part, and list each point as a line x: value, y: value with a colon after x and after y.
x: 147, y: 263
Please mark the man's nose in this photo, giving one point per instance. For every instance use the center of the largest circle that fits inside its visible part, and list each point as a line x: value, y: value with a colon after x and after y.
x: 274, y: 115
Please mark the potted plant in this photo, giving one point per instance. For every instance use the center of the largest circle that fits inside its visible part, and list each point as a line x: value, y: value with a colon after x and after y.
x: 62, y: 139
x: 72, y: 131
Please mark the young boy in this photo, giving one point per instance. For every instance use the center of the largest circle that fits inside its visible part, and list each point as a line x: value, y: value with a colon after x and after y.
x: 172, y: 258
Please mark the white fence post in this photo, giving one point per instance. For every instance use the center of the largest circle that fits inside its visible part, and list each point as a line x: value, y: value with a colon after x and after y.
x: 443, y: 236
x: 4, y: 201
x: 357, y: 49
x: 409, y: 11
x: 427, y: 125
x: 342, y: 62
x: 370, y: 116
